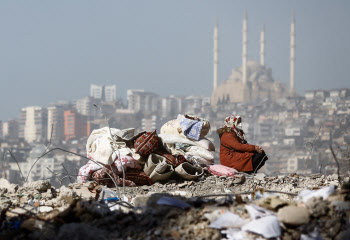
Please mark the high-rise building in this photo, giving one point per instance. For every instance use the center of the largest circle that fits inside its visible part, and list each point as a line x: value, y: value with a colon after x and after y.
x: 10, y: 129
x: 55, y: 123
x: 96, y: 91
x: 105, y: 93
x: 33, y: 124
x: 149, y: 124
x: 75, y: 125
x: 85, y: 106
x: 110, y: 93
x: 139, y: 100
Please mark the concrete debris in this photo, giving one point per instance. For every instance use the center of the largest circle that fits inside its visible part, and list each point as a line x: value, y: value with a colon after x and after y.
x: 41, y: 186
x: 10, y: 187
x: 210, y: 207
x: 67, y: 194
x: 292, y: 215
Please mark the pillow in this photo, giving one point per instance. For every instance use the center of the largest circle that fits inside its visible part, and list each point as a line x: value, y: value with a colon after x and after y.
x: 221, y: 170
x: 146, y: 143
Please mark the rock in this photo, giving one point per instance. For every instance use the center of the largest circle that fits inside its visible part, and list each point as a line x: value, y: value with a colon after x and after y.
x: 67, y: 194
x: 32, y: 224
x: 41, y: 186
x: 85, y: 193
x: 45, y: 209
x: 271, y: 203
x: 314, y: 176
x: 317, y: 207
x: 260, y: 176
x: 140, y: 200
x: 4, y: 203
x: 340, y: 205
x: 11, y: 188
x: 292, y: 215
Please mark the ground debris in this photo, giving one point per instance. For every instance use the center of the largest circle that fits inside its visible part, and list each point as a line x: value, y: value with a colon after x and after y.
x: 39, y: 211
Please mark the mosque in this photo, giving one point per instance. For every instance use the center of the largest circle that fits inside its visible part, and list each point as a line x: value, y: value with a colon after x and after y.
x: 252, y: 81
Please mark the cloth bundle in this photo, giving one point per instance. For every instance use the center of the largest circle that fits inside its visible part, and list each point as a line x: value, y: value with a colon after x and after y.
x: 111, y: 150
x: 193, y: 127
x: 98, y: 172
x: 178, y: 137
x: 187, y: 126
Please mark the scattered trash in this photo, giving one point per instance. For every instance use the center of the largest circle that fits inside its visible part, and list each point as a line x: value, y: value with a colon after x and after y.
x: 325, y: 192
x: 256, y: 212
x: 268, y: 227
x: 228, y: 220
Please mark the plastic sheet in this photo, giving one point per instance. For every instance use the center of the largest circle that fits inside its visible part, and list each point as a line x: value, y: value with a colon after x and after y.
x: 169, y: 201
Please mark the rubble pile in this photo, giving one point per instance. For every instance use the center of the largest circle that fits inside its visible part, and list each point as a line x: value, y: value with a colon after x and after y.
x: 210, y: 207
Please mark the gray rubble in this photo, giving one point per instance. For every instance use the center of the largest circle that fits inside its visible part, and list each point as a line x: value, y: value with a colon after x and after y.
x: 37, y: 210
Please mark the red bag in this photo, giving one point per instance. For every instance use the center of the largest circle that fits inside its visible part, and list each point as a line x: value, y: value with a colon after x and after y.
x: 146, y: 143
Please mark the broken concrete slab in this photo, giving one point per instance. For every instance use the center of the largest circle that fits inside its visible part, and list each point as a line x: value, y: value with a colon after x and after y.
x: 41, y: 186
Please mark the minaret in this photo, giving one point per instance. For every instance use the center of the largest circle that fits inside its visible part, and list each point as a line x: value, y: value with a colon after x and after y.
x: 216, y: 55
x: 262, y: 45
x: 244, y: 52
x: 292, y: 55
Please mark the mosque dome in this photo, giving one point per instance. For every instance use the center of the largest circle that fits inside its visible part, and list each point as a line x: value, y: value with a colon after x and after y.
x: 260, y: 85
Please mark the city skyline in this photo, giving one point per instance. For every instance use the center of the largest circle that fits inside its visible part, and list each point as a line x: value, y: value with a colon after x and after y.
x: 54, y: 52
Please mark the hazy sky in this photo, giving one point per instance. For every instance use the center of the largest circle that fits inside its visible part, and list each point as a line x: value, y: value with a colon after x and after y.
x: 54, y: 50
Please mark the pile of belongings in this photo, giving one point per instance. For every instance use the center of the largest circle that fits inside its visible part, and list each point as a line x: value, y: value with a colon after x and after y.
x: 186, y: 136
x: 145, y: 158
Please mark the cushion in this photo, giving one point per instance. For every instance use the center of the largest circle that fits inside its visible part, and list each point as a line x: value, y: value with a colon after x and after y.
x: 221, y: 170
x: 146, y: 143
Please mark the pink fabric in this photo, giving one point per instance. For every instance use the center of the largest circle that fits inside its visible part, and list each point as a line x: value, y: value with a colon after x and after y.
x: 221, y: 170
x: 88, y: 169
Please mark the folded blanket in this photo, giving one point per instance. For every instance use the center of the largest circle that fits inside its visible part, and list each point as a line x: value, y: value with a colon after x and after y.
x: 190, y: 128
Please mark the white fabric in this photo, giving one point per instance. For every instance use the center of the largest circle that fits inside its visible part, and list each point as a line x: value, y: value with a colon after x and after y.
x: 268, y: 227
x: 198, y: 151
x: 228, y: 220
x: 235, y: 234
x: 199, y: 159
x: 256, y: 212
x: 99, y: 145
x: 172, y: 127
x: 306, y: 194
x: 205, y: 143
x: 173, y: 138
